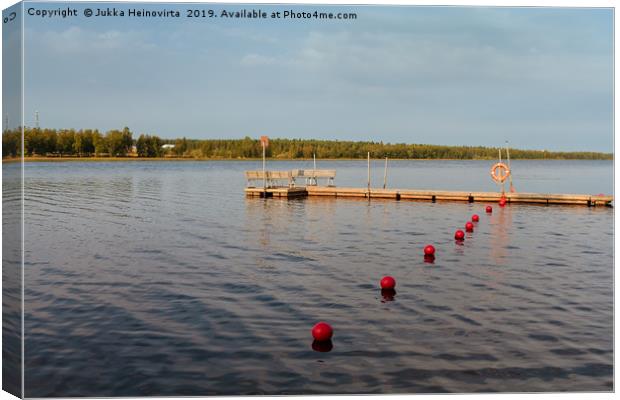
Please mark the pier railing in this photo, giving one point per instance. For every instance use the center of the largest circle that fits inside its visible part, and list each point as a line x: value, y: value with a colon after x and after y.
x: 273, y: 179
x: 312, y: 175
x: 270, y: 178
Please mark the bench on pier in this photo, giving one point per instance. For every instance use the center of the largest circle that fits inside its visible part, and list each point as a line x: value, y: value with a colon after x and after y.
x: 312, y: 175
x: 271, y: 178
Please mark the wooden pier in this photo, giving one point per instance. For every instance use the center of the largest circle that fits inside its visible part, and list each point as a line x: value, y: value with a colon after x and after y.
x: 276, y: 192
x: 431, y: 195
x: 283, y: 184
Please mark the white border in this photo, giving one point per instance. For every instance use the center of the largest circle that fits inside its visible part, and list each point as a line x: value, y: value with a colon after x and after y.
x: 505, y: 3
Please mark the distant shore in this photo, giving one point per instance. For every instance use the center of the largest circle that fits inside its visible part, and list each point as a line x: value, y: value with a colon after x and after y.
x: 169, y: 159
x: 43, y: 144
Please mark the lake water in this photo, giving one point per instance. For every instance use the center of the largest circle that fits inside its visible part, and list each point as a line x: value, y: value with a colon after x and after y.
x: 161, y: 278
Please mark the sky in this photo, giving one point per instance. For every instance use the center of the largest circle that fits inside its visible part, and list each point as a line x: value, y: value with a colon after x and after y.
x: 540, y: 78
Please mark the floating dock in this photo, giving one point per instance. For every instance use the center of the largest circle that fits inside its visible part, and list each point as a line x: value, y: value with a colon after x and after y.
x: 431, y: 195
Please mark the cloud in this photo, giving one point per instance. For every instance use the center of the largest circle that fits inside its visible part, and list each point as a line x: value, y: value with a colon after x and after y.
x: 76, y: 40
x: 253, y: 60
x: 400, y: 74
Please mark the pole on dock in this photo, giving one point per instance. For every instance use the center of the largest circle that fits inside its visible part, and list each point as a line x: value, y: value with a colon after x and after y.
x: 512, y: 189
x: 385, y: 174
x: 500, y: 161
x: 264, y: 140
x: 314, y: 168
x: 264, y: 175
x: 369, y: 175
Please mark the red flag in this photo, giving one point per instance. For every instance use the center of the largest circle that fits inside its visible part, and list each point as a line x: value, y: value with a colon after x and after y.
x: 264, y: 140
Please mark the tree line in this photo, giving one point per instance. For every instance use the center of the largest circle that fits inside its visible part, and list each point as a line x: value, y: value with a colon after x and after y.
x: 120, y: 143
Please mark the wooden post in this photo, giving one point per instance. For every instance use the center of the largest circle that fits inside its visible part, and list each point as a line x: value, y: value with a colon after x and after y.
x: 264, y: 140
x: 314, y: 169
x: 385, y: 174
x: 369, y: 175
x: 264, y: 174
x: 500, y: 174
x: 512, y: 189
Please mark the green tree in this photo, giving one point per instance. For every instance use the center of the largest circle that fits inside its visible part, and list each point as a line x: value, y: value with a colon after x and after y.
x: 149, y: 146
x: 11, y: 142
x: 100, y: 143
x: 119, y: 142
x: 180, y: 146
x: 65, y: 143
x: 84, y: 142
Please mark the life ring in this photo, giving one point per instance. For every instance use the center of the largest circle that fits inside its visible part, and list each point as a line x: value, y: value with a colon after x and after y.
x: 498, y: 176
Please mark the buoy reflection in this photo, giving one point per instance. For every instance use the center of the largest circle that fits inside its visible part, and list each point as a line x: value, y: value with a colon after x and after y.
x: 388, y: 294
x: 324, y: 346
x: 429, y: 259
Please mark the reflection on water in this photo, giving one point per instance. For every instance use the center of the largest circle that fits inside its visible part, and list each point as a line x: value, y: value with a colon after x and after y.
x: 322, y: 347
x: 12, y: 278
x: 500, y: 233
x: 162, y: 279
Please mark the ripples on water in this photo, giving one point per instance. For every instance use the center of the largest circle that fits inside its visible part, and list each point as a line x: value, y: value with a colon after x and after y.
x: 162, y: 279
x: 11, y: 277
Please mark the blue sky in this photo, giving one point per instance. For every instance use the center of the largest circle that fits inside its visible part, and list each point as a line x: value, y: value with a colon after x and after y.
x: 540, y: 78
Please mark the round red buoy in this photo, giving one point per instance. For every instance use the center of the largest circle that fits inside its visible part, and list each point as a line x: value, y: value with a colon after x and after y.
x: 322, y: 332
x: 388, y: 282
x: 459, y: 235
x: 429, y: 250
x: 502, y: 202
x: 469, y: 227
x: 489, y: 209
x: 475, y: 218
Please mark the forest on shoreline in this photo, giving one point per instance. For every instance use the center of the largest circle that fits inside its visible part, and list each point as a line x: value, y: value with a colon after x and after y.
x: 44, y: 142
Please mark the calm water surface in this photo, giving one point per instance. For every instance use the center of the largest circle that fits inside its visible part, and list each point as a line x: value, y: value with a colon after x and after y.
x: 163, y: 279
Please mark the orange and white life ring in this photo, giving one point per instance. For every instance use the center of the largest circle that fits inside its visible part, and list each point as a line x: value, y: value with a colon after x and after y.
x: 499, y: 172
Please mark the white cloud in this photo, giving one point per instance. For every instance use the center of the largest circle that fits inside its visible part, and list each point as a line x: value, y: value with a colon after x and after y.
x: 253, y: 60
x: 391, y: 73
x: 76, y: 40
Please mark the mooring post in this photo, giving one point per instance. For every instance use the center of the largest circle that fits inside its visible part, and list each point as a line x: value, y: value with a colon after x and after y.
x: 264, y: 173
x: 385, y: 174
x: 314, y: 169
x: 512, y: 189
x: 500, y: 173
x: 369, y: 175
x: 264, y: 141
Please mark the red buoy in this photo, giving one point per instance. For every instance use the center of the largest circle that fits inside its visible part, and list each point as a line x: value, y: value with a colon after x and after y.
x: 459, y: 235
x: 469, y: 227
x: 489, y: 209
x: 502, y: 202
x: 388, y: 282
x: 322, y: 332
x: 475, y: 218
x: 429, y: 250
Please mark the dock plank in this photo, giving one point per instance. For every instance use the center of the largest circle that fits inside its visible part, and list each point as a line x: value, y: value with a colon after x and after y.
x: 431, y: 195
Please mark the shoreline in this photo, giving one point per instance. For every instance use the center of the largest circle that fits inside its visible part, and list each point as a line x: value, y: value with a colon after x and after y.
x: 173, y: 159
